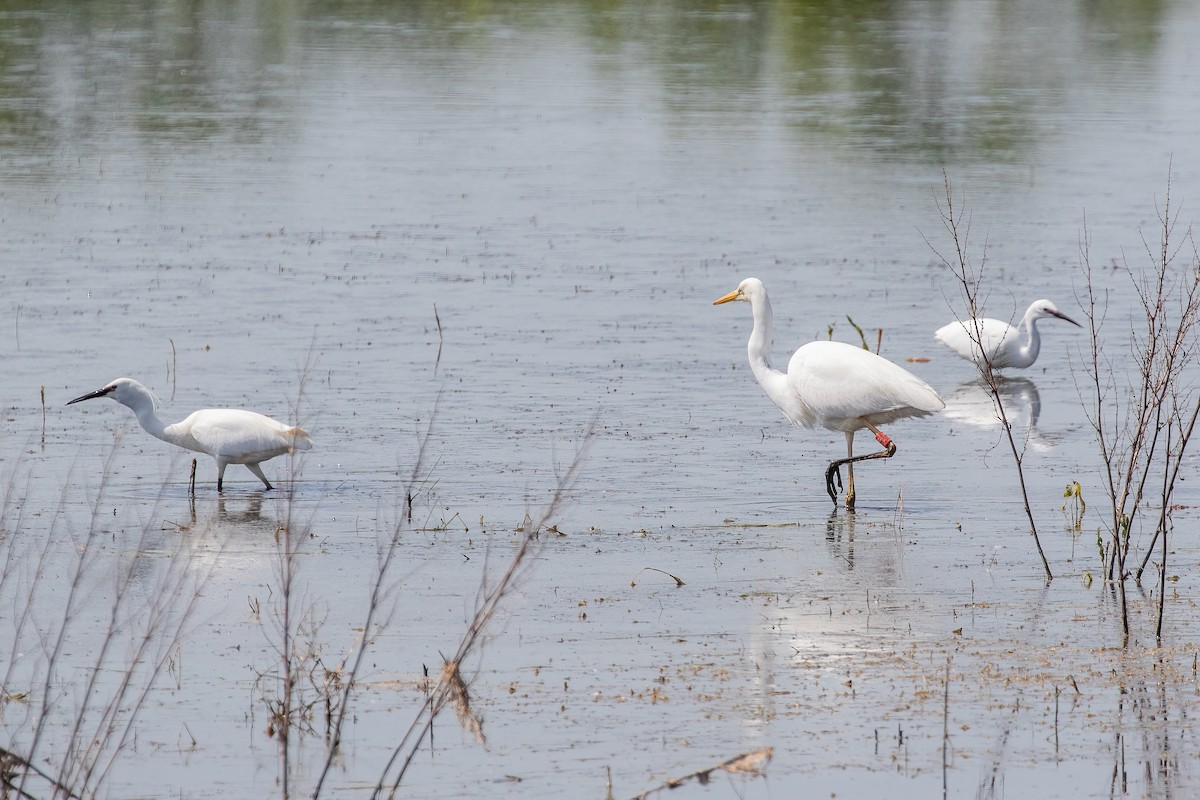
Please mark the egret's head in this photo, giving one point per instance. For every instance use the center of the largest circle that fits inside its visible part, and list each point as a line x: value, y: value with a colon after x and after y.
x: 747, y: 290
x: 1044, y: 308
x: 125, y: 391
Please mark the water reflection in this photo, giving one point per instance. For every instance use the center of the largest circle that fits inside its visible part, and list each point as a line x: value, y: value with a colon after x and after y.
x: 839, y: 535
x: 881, y: 560
x: 972, y: 404
x: 233, y: 517
x: 930, y: 82
x: 249, y: 512
x: 163, y: 148
x: 1148, y: 739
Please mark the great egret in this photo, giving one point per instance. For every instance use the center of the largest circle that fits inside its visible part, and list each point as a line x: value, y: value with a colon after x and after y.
x: 229, y: 435
x: 835, y: 385
x: 1004, y: 345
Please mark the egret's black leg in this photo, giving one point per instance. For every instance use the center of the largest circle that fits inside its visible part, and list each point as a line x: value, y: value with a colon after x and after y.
x: 889, y: 450
x: 831, y: 473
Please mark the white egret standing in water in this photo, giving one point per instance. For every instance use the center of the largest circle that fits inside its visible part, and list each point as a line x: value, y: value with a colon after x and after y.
x: 1005, y: 346
x: 229, y: 435
x: 834, y: 385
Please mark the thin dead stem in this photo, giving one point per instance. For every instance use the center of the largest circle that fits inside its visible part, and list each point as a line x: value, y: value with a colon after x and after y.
x: 946, y: 732
x: 447, y: 693
x: 1144, y: 417
x: 297, y: 625
x: 969, y: 281
x: 105, y: 602
x: 379, y: 590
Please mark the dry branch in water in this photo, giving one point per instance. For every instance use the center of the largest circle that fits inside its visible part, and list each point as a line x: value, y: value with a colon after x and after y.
x: 969, y: 280
x: 677, y: 579
x: 15, y: 771
x: 107, y: 628
x: 452, y: 692
x: 1143, y: 409
x: 752, y: 764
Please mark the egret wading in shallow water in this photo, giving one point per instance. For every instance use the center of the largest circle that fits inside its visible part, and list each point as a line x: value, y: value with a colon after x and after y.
x: 834, y: 385
x: 229, y: 435
x: 1005, y: 346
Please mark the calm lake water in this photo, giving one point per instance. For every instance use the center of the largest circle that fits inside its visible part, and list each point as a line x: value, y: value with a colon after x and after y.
x: 502, y: 223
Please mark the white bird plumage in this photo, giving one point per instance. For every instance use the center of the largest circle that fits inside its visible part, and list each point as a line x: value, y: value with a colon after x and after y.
x: 229, y: 435
x: 833, y: 385
x: 1006, y: 347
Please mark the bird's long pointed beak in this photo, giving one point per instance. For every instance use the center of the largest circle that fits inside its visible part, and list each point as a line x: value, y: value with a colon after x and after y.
x: 726, y: 298
x: 1065, y: 318
x: 90, y: 395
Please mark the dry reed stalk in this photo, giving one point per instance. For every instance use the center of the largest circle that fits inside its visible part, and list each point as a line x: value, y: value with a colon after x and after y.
x: 969, y: 281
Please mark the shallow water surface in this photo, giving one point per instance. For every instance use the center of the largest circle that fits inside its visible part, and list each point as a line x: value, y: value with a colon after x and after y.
x: 496, y: 232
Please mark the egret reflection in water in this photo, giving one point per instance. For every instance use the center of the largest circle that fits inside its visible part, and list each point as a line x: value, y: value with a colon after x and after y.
x: 971, y: 403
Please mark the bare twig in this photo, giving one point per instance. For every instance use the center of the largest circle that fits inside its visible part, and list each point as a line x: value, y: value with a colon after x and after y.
x: 445, y: 693
x: 946, y: 732
x: 678, y: 581
x: 1144, y: 423
x: 969, y: 280
x: 288, y: 709
x: 12, y: 764
x: 441, y: 340
x: 112, y: 683
x: 378, y: 590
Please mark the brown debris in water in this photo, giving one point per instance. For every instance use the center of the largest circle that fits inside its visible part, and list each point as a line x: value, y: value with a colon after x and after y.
x: 753, y: 764
x: 460, y: 698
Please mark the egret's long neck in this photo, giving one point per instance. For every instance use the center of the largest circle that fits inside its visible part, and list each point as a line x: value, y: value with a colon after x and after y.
x: 773, y: 382
x: 146, y: 417
x: 1031, y: 343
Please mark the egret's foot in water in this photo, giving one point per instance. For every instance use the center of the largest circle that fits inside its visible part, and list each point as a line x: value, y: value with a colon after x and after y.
x: 832, y: 486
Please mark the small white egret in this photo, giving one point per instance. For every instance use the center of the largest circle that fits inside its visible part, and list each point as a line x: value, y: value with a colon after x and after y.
x: 229, y: 435
x: 834, y: 385
x: 1004, y: 345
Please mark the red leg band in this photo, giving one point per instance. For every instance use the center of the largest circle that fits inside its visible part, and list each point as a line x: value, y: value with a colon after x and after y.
x: 882, y: 438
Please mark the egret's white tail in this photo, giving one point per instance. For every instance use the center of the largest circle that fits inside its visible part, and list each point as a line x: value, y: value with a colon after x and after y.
x: 300, y: 439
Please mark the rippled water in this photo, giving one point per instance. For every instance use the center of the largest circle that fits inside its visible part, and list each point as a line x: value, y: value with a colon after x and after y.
x: 509, y: 221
